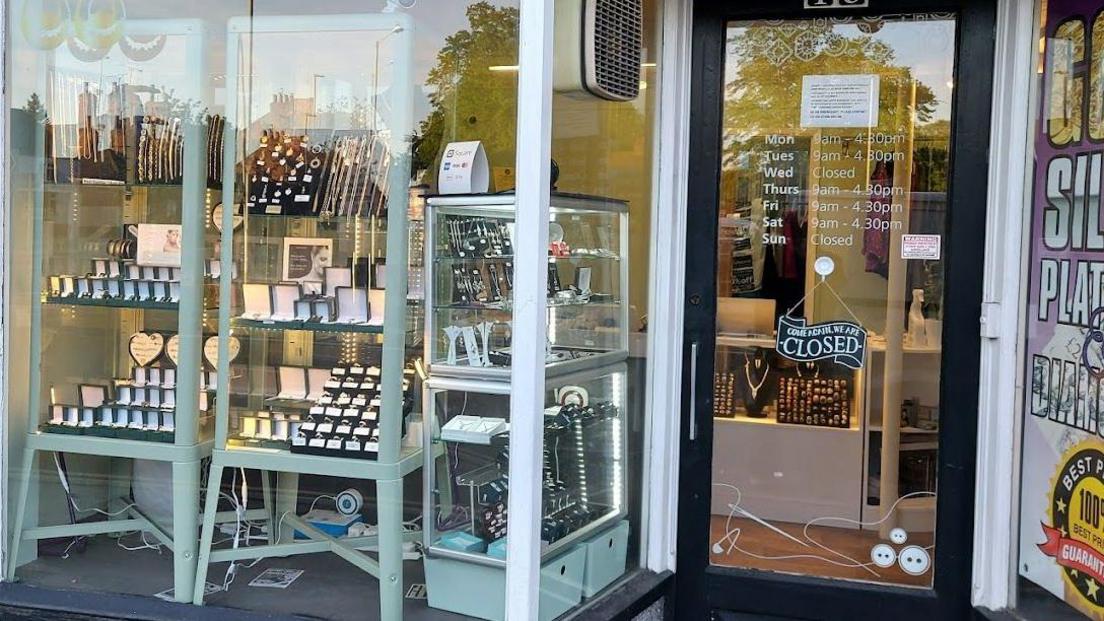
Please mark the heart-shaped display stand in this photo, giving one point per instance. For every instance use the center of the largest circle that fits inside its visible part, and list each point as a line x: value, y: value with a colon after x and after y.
x: 172, y: 348
x: 210, y: 349
x: 146, y: 347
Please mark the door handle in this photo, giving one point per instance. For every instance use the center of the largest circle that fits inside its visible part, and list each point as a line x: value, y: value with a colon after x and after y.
x: 693, y: 391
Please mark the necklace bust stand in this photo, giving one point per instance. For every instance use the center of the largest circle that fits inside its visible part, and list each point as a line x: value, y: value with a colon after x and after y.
x: 760, y: 382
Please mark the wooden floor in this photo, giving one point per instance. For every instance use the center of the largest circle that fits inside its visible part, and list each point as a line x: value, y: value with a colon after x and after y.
x: 759, y: 540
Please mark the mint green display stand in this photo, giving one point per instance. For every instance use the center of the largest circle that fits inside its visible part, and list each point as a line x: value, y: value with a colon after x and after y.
x: 477, y: 590
x: 187, y: 448
x: 394, y: 461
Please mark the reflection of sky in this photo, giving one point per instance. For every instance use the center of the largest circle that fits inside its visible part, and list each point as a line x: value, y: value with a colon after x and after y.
x: 282, y: 64
x: 926, y: 47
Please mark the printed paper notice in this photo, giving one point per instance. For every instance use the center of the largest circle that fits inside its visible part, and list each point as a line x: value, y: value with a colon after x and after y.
x: 920, y: 247
x: 839, y: 101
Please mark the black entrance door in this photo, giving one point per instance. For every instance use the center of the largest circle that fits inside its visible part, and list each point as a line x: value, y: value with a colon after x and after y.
x: 834, y: 271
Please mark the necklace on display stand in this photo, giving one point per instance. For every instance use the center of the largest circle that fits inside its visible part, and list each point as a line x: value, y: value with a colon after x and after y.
x: 759, y: 364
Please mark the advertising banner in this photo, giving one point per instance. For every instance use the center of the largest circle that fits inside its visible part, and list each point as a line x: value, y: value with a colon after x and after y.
x: 1062, y: 488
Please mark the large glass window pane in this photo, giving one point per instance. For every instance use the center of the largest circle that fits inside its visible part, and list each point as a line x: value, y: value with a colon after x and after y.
x: 833, y: 203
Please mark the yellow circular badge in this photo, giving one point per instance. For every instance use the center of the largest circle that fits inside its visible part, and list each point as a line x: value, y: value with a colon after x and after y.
x: 1075, y: 538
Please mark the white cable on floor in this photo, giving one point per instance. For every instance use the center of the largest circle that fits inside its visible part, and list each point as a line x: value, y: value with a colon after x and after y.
x: 732, y: 534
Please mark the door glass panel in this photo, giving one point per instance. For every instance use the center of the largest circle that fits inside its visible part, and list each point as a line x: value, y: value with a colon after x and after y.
x: 833, y: 202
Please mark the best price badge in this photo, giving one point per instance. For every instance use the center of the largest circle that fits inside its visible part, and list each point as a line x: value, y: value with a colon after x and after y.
x: 1075, y: 538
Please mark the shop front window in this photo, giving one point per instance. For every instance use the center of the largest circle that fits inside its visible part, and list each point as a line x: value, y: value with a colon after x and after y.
x: 261, y: 303
x: 833, y: 203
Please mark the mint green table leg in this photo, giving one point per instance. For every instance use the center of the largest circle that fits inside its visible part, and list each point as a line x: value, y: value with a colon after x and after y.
x: 266, y: 500
x: 185, y: 527
x: 118, y: 485
x: 287, y: 497
x: 389, y: 509
x: 210, y: 506
x: 26, y: 473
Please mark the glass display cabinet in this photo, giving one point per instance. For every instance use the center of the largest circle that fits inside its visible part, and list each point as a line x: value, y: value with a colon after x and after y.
x: 120, y: 255
x: 313, y: 325
x: 465, y: 516
x: 469, y: 270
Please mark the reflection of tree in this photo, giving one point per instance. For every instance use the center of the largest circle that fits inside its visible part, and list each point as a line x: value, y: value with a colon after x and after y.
x: 764, y: 92
x: 469, y: 101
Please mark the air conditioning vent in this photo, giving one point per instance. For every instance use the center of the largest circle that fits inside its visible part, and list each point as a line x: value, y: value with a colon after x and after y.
x: 598, y: 47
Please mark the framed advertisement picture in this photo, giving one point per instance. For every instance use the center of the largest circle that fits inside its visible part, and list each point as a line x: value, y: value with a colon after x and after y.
x: 158, y: 245
x: 306, y: 260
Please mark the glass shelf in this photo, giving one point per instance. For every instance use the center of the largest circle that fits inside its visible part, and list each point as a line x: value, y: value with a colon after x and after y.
x: 113, y: 303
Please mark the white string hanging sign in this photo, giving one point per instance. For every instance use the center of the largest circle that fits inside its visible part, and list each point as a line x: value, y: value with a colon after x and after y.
x: 843, y: 342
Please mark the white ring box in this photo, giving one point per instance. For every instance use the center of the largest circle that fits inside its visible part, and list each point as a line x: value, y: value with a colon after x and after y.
x: 213, y: 268
x: 146, y: 290
x: 130, y: 289
x: 160, y: 290
x: 57, y: 414
x: 153, y: 420
x: 283, y: 301
x: 122, y: 417
x: 99, y: 288
x: 174, y: 291
x: 133, y: 271
x: 376, y: 305
x: 154, y: 399
x: 55, y: 285
x: 84, y: 287
x: 352, y: 305
x: 303, y: 310
x: 168, y: 378
x: 258, y: 301
x: 68, y: 287
x: 154, y: 374
x: 280, y: 429
x: 139, y: 397
x: 123, y: 394
x: 99, y: 267
x: 168, y: 421
x: 337, y: 277
x: 264, y: 428
x: 248, y: 427
x: 72, y: 416
x: 137, y: 419
x: 114, y: 269
x: 323, y: 309
x: 140, y: 376
x: 202, y: 401
x: 176, y: 274
x: 316, y: 383
x: 291, y: 383
x: 114, y: 288
x: 168, y: 398
x: 107, y: 416
x: 149, y: 272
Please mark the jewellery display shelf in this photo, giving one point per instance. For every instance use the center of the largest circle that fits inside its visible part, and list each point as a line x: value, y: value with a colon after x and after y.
x: 88, y: 393
x: 465, y: 517
x: 287, y: 339
x: 469, y: 275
